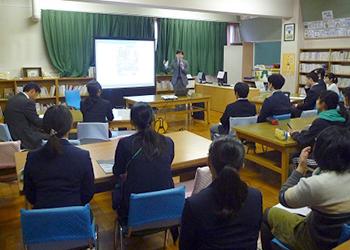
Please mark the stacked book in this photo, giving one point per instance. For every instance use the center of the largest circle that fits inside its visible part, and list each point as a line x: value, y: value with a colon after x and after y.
x: 41, y: 108
x: 164, y: 85
x: 314, y: 56
x: 344, y: 82
x: 44, y: 92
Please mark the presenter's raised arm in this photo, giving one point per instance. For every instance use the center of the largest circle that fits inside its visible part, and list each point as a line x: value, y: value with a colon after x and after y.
x: 185, y: 68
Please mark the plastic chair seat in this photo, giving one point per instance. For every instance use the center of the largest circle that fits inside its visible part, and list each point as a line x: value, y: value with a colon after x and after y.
x: 92, y: 132
x: 240, y: 121
x: 283, y: 117
x: 5, y: 134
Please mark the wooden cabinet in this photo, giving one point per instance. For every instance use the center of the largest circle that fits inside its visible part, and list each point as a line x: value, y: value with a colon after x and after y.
x: 45, y: 99
x: 164, y: 84
x: 335, y: 61
x: 220, y: 97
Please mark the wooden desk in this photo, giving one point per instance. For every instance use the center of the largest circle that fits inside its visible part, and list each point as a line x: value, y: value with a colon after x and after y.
x: 191, y: 150
x: 221, y: 96
x: 264, y: 134
x: 164, y: 105
x: 344, y: 246
x: 259, y: 100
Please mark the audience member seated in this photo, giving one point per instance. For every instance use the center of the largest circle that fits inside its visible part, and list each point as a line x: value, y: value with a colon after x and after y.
x: 278, y: 103
x: 332, y: 81
x: 228, y: 213
x: 328, y: 105
x: 346, y: 98
x: 241, y: 108
x: 145, y: 158
x: 313, y: 90
x: 326, y: 192
x: 58, y: 174
x: 321, y: 73
x: 94, y: 108
x: 22, y: 119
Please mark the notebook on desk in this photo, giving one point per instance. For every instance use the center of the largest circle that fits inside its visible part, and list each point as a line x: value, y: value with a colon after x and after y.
x: 106, y: 165
x: 121, y: 114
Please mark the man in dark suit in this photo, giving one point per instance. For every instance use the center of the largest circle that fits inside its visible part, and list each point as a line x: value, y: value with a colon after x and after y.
x: 241, y: 108
x: 22, y: 118
x: 313, y: 90
x: 180, y: 71
x: 278, y: 103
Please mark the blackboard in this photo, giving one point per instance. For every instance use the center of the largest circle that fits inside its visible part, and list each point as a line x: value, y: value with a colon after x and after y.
x: 267, y: 53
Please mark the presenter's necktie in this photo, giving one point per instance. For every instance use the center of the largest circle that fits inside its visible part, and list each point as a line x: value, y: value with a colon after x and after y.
x: 179, y: 73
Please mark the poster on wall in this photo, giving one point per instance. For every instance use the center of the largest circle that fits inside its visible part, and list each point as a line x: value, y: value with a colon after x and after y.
x: 327, y: 15
x: 288, y: 64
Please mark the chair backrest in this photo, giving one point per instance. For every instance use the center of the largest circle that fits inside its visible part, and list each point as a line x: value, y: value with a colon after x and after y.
x: 5, y: 132
x: 308, y: 113
x: 8, y: 149
x: 238, y: 121
x: 62, y: 227
x: 202, y: 179
x: 73, y: 98
x: 286, y: 93
x: 283, y: 117
x: 92, y: 132
x: 345, y: 236
x: 159, y: 209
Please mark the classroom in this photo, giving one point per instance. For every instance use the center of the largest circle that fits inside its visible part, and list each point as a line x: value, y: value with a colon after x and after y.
x: 174, y: 125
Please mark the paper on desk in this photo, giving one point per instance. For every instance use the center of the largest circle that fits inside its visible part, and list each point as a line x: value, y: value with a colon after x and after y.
x: 117, y: 118
x: 297, y: 98
x: 106, y: 165
x: 121, y: 114
x: 302, y: 211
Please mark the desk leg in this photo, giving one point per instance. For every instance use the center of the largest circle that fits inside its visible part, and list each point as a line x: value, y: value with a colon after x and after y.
x: 207, y: 104
x: 285, y: 165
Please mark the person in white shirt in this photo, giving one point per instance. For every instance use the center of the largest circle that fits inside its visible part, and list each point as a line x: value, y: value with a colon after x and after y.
x: 331, y: 81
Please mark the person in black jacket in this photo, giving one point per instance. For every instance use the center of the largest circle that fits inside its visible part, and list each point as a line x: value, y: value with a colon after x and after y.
x: 22, y: 118
x: 278, y: 103
x: 313, y: 90
x: 241, y: 108
x: 228, y: 213
x: 58, y: 174
x: 328, y: 105
x: 94, y: 108
x: 144, y: 157
x: 321, y: 73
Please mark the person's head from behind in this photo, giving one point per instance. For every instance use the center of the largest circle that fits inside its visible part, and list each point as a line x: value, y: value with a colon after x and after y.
x: 320, y: 72
x: 346, y: 95
x: 32, y: 89
x: 331, y: 78
x: 241, y: 90
x: 276, y: 81
x: 179, y: 54
x: 226, y: 158
x: 142, y: 117
x: 327, y: 100
x: 311, y: 79
x: 332, y: 149
x: 94, y: 88
x: 57, y: 122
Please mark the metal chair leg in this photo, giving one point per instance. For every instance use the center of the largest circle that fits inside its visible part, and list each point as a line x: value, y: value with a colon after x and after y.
x: 121, y: 238
x: 166, y: 238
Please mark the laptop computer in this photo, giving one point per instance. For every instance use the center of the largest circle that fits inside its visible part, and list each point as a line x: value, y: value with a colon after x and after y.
x: 181, y: 92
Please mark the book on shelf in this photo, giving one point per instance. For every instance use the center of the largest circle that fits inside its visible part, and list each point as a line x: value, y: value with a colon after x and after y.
x: 308, y: 67
x: 340, y: 56
x: 164, y: 85
x: 314, y: 56
x: 1, y: 113
x: 41, y: 108
x: 340, y: 69
x: 46, y: 93
x: 63, y: 88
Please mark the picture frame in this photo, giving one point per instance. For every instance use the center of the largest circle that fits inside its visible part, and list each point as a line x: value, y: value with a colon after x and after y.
x: 289, y: 32
x: 8, y: 93
x: 32, y: 72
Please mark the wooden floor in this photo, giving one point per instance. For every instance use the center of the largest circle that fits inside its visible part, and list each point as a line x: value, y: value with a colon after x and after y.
x: 265, y: 180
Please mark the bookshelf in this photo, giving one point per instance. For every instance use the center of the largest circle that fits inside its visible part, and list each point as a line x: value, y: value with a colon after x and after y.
x: 335, y: 60
x: 164, y: 84
x: 51, y: 97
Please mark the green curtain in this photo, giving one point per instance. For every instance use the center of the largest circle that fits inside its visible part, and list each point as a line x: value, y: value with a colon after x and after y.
x: 202, y: 42
x: 69, y: 36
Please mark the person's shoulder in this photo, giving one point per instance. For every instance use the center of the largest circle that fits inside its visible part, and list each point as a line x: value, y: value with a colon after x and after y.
x: 202, y: 197
x: 254, y: 192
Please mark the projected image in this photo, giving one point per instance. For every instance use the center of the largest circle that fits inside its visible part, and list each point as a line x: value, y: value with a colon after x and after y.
x: 125, y: 63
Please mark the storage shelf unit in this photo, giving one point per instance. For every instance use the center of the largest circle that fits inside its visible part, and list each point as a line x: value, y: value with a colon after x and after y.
x: 48, y: 83
x: 336, y: 60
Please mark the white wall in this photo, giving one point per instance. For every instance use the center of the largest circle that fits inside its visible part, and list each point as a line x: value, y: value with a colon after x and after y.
x: 233, y: 63
x: 22, y: 43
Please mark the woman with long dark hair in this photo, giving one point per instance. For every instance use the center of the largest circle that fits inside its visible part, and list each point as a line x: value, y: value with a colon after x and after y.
x: 228, y: 213
x: 58, y: 174
x: 331, y: 81
x: 94, y: 108
x: 144, y: 157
